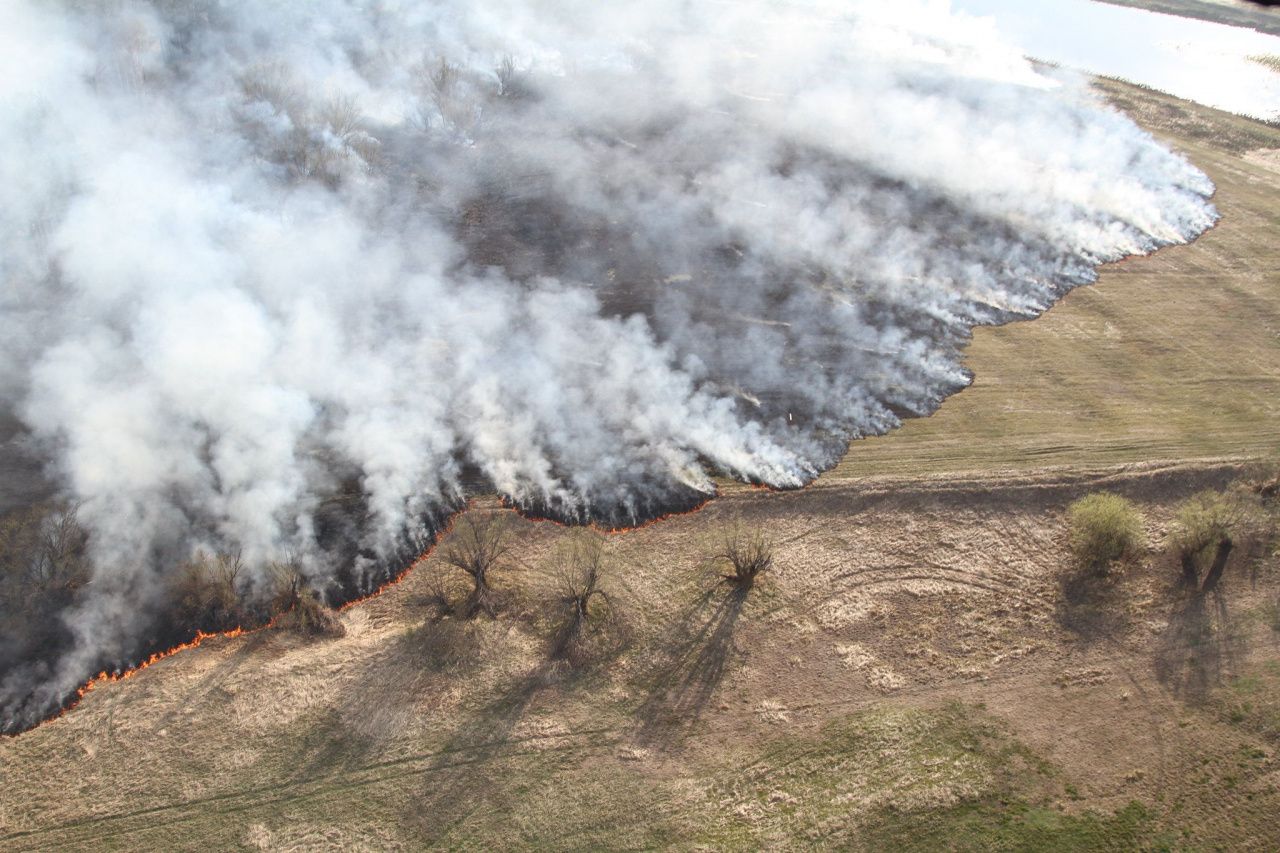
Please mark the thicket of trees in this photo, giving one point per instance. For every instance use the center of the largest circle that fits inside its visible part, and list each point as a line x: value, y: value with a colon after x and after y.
x: 43, y: 564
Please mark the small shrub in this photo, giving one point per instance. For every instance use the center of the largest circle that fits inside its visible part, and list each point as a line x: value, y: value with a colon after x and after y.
x: 1267, y: 489
x: 309, y: 616
x: 1105, y: 528
x: 297, y: 607
x: 748, y: 552
x: 436, y: 596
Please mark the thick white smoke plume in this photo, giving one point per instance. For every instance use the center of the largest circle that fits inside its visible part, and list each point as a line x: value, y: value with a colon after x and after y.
x: 257, y: 256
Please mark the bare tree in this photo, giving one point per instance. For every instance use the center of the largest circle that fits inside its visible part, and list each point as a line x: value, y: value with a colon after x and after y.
x: 288, y: 585
x: 443, y: 77
x: 580, y: 587
x: 273, y: 84
x: 476, y: 545
x: 58, y: 564
x: 442, y: 81
x: 511, y: 85
x: 206, y: 593
x: 748, y: 552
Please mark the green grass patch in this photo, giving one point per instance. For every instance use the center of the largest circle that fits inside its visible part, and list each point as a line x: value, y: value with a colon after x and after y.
x: 1001, y: 824
x: 820, y: 789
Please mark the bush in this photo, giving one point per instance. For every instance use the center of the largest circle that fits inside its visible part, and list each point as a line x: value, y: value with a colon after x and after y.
x: 206, y: 594
x: 297, y: 607
x: 311, y: 617
x: 1105, y: 528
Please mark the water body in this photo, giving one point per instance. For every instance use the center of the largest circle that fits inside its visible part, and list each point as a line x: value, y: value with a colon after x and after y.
x: 1201, y: 61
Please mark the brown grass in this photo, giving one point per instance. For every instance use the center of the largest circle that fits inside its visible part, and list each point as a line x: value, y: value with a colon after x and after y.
x: 908, y: 675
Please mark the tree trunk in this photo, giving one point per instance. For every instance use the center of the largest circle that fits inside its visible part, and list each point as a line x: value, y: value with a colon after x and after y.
x: 1219, y: 564
x: 1190, y: 574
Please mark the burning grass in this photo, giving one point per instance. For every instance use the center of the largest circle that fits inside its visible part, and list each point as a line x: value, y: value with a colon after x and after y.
x: 236, y: 747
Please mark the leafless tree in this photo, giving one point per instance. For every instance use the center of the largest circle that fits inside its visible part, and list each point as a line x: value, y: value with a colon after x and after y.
x: 747, y: 551
x: 58, y: 563
x: 511, y: 85
x: 581, y: 597
x: 477, y: 544
x: 443, y: 79
x: 207, y: 595
x: 272, y: 83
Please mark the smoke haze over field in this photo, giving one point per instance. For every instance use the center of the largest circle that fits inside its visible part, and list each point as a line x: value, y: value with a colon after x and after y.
x: 256, y: 255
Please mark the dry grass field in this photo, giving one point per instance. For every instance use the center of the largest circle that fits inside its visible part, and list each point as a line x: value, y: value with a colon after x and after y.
x: 1171, y: 356
x: 1238, y: 13
x: 923, y: 667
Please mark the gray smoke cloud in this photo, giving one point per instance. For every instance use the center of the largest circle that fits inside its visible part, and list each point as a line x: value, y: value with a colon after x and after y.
x: 256, y: 254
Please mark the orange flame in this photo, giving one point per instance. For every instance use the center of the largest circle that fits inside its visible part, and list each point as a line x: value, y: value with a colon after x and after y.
x: 105, y: 677
x: 156, y: 657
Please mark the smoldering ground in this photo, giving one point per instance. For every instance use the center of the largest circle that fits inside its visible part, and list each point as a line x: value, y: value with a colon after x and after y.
x: 259, y: 257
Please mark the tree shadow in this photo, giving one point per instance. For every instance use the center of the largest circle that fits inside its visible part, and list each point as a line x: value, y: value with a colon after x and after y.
x: 214, y: 687
x: 467, y: 771
x: 1092, y: 605
x: 1202, y: 641
x: 697, y: 664
x: 1197, y: 646
x: 1200, y: 645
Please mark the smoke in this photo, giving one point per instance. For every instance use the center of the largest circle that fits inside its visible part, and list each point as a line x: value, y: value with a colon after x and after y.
x: 260, y: 257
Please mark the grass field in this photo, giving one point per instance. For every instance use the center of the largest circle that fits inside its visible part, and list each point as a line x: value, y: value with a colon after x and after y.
x: 922, y: 668
x: 1233, y: 12
x: 1172, y: 356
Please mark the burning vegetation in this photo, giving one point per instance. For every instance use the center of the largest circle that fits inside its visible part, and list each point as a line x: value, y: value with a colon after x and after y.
x: 330, y: 270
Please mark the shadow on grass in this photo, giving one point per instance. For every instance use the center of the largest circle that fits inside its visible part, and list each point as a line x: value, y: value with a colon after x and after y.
x: 1092, y: 606
x: 473, y: 768
x: 1200, y: 645
x: 215, y: 688
x: 698, y: 661
x: 1203, y: 641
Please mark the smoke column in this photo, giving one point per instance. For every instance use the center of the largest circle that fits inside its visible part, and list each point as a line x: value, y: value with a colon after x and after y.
x: 256, y: 255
